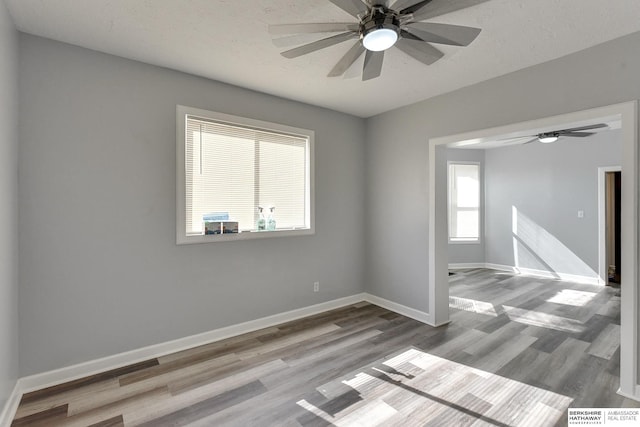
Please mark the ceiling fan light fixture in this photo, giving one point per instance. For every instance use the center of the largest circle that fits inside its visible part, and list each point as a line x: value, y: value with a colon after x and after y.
x: 379, y: 30
x: 547, y: 138
x: 380, y: 39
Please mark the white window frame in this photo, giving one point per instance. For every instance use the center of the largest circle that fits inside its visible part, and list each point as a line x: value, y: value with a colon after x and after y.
x: 181, y: 235
x: 464, y: 240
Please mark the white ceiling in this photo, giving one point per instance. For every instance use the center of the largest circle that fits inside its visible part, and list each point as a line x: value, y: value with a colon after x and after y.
x: 228, y: 41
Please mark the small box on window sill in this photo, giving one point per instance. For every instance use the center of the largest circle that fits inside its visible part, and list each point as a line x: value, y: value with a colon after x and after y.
x: 220, y: 227
x: 212, y: 227
x: 229, y: 227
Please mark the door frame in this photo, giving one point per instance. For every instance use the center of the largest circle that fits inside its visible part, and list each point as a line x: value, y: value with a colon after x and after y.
x: 438, y: 258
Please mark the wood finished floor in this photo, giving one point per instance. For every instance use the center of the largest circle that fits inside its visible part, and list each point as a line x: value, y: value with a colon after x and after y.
x: 518, y: 351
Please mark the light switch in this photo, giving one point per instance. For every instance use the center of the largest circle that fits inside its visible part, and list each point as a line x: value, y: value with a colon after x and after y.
x: 580, y: 214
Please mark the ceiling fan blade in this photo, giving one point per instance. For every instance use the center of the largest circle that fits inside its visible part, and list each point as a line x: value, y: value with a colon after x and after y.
x: 407, y: 35
x: 419, y: 50
x: 289, y: 42
x: 530, y: 141
x: 589, y: 127
x: 317, y: 45
x: 576, y: 134
x: 455, y: 35
x: 326, y: 27
x: 410, y: 6
x: 352, y: 7
x: 442, y: 7
x: 372, y: 65
x: 347, y: 60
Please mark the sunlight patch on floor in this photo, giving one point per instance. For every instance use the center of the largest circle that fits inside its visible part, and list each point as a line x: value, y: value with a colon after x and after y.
x: 537, y: 318
x: 473, y: 306
x: 572, y: 297
x: 417, y: 387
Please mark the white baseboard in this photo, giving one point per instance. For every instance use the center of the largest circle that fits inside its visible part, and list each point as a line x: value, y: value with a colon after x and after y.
x: 10, y: 406
x: 92, y: 367
x: 418, y: 315
x: 635, y: 396
x: 500, y: 267
x: 587, y: 280
x: 464, y: 265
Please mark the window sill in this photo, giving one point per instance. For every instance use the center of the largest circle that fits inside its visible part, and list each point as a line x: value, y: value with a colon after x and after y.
x: 245, y: 235
x: 464, y: 242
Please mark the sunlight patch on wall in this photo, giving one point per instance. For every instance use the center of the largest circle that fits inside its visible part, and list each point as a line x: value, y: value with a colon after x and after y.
x: 534, y: 247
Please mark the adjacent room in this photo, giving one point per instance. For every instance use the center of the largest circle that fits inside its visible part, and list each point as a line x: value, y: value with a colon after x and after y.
x: 340, y: 212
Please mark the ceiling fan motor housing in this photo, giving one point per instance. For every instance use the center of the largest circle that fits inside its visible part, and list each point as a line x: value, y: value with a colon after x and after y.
x: 377, y: 19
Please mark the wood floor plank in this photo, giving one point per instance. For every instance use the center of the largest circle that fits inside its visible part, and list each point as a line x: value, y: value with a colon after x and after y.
x: 65, y: 397
x: 225, y: 353
x: 96, y: 399
x: 54, y: 390
x: 606, y: 344
x: 213, y: 347
x: 116, y: 421
x: 210, y: 406
x: 107, y: 412
x: 44, y: 418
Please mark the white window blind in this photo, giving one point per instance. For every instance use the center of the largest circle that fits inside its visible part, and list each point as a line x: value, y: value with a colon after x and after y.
x: 233, y: 169
x: 464, y: 202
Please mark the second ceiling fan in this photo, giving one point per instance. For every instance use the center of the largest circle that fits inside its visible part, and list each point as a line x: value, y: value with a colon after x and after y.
x: 380, y: 25
x: 552, y: 136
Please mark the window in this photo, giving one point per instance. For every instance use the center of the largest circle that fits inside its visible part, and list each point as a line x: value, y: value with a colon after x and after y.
x: 464, y: 202
x: 240, y: 178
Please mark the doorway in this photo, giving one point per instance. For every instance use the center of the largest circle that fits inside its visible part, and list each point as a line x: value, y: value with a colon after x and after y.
x: 613, y: 186
x: 610, y: 225
x: 438, y: 289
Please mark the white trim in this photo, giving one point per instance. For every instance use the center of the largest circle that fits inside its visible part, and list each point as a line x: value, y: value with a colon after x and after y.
x: 438, y: 284
x: 528, y: 272
x: 418, y: 315
x: 181, y: 238
x: 635, y: 396
x: 629, y: 275
x: 602, y: 222
x: 628, y: 116
x: 465, y: 265
x: 92, y: 367
x: 500, y: 267
x: 11, y: 406
x: 587, y: 280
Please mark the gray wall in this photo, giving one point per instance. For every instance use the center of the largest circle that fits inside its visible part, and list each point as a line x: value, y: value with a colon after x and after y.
x: 463, y: 253
x: 547, y: 184
x: 100, y: 272
x: 397, y: 148
x: 8, y: 205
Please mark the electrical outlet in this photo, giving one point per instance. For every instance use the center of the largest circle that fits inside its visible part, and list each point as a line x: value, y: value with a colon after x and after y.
x: 316, y: 286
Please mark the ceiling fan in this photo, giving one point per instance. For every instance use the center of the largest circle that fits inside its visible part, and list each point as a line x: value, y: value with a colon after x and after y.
x: 549, y: 137
x: 380, y: 25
